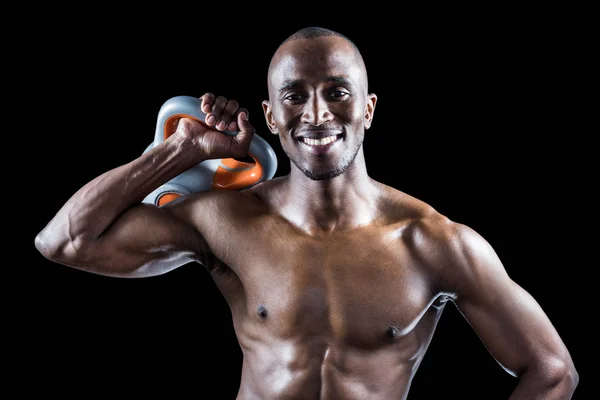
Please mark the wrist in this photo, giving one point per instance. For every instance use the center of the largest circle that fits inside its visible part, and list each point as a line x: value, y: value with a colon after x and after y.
x: 184, y: 149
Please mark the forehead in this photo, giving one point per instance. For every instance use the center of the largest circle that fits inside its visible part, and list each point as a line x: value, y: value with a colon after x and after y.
x: 316, y: 60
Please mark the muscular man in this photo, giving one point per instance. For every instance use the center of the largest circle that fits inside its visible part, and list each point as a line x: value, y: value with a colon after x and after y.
x: 335, y: 281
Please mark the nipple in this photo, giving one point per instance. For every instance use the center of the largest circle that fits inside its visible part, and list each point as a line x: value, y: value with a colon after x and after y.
x: 392, y: 332
x: 262, y: 311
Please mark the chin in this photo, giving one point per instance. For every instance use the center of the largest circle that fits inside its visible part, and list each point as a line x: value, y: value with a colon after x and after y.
x: 330, y: 173
x: 323, y: 175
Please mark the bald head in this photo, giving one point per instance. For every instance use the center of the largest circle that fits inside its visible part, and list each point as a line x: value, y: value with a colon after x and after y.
x: 313, y: 32
x: 291, y: 47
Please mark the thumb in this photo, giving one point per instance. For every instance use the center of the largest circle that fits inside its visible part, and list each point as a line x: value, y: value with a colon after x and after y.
x: 246, y: 131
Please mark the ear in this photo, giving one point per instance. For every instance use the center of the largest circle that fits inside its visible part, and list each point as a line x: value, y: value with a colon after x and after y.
x: 269, y: 117
x: 370, y: 109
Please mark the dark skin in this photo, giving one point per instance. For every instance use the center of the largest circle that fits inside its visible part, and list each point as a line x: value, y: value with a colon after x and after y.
x: 335, y: 281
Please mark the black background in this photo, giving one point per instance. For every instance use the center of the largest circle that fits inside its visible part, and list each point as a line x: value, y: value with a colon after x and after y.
x: 478, y: 115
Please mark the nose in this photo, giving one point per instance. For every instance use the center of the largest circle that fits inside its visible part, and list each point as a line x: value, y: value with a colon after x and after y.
x: 316, y: 111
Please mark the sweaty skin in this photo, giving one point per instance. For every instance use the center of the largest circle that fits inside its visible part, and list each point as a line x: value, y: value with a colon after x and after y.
x: 335, y: 281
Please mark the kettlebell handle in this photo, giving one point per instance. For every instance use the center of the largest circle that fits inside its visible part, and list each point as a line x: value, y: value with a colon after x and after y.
x: 232, y: 174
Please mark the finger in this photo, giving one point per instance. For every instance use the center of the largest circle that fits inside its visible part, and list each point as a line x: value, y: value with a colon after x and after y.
x: 233, y: 125
x: 246, y: 131
x: 228, y: 113
x: 207, y: 101
x: 217, y: 110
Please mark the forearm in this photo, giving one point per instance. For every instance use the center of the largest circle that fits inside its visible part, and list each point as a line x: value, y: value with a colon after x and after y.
x: 94, y: 207
x: 546, y: 385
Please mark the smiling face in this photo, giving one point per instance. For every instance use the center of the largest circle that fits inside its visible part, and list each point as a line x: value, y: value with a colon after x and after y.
x: 318, y: 104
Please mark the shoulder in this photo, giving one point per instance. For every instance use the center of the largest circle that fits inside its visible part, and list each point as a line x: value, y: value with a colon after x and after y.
x: 449, y: 250
x: 204, y: 207
x: 219, y: 208
x: 425, y: 224
x: 409, y: 212
x: 447, y: 241
x: 461, y: 260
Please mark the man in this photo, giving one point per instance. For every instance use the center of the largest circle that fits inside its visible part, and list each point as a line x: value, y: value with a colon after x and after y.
x: 335, y: 281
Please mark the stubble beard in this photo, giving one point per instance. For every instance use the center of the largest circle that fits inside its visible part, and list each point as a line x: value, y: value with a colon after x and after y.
x: 320, y: 175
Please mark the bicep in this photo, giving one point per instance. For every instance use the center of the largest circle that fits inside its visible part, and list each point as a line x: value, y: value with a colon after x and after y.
x: 509, y: 321
x: 144, y: 241
x: 511, y: 324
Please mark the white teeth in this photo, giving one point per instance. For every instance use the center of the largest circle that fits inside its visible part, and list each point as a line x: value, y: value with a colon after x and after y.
x: 319, y: 142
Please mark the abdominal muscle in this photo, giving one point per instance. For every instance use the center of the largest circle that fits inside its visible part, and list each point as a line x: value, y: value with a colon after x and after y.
x: 317, y: 368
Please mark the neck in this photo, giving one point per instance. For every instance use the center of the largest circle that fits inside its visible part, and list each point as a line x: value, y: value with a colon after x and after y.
x: 320, y: 207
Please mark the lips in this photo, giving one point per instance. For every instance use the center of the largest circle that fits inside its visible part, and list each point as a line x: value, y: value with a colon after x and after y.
x: 321, y: 145
x: 318, y: 134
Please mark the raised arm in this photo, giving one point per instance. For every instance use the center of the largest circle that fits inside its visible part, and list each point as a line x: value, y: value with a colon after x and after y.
x: 105, y: 229
x: 509, y: 321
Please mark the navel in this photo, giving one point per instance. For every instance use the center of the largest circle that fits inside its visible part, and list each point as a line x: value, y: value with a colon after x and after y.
x: 262, y: 312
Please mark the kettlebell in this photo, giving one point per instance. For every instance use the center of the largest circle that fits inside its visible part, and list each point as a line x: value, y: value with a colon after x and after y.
x: 213, y: 174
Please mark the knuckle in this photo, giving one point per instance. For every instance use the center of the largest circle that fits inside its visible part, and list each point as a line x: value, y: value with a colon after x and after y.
x: 185, y: 124
x: 207, y: 99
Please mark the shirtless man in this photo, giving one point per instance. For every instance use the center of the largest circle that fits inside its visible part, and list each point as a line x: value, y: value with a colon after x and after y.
x: 335, y: 281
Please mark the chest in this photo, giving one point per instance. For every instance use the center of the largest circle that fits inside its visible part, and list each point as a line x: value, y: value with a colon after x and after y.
x: 358, y: 288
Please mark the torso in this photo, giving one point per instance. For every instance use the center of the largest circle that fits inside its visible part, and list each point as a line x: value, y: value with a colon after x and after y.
x: 347, y: 315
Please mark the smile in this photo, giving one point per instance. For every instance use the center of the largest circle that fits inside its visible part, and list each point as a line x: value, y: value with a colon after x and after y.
x: 320, y: 142
x: 321, y: 145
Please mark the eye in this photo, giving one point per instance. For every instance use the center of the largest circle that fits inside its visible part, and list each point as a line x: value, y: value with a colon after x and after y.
x: 339, y: 94
x: 293, y: 97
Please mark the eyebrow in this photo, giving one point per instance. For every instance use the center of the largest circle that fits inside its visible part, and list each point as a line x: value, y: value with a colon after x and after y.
x: 294, y: 83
